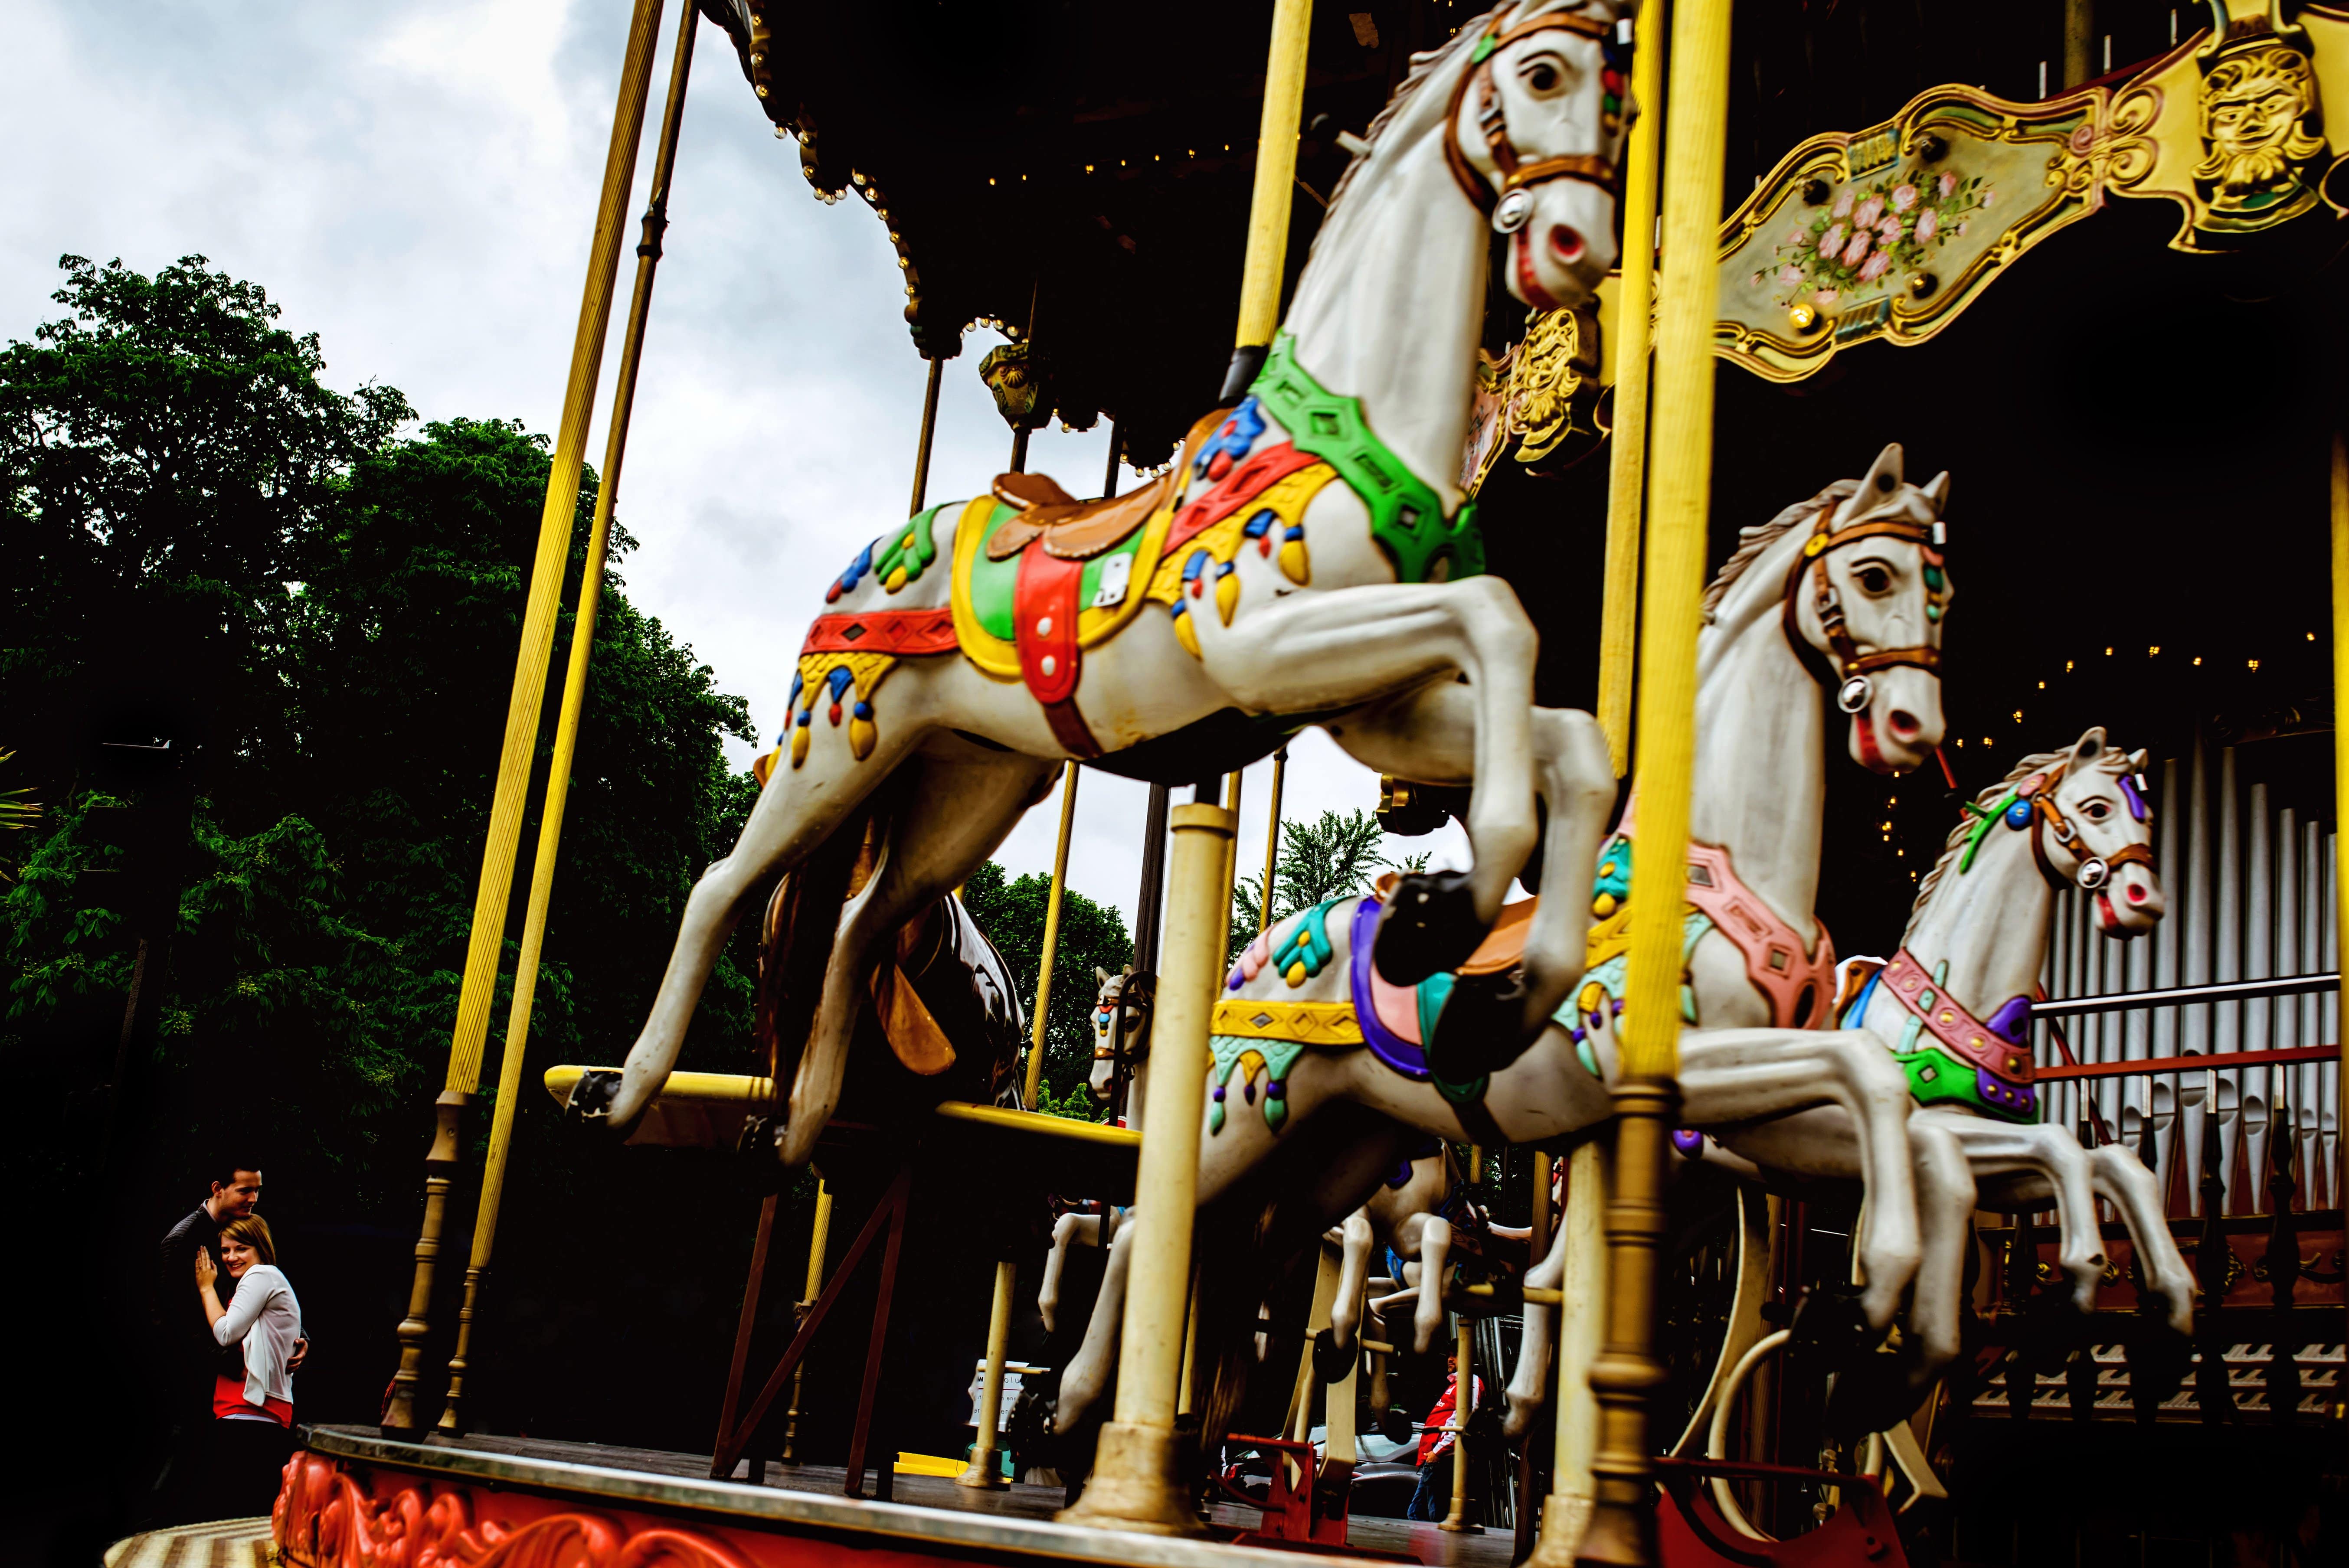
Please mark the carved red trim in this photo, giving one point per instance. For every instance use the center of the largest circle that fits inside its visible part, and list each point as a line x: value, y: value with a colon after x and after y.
x: 909, y: 633
x: 334, y: 1513
x: 1262, y: 470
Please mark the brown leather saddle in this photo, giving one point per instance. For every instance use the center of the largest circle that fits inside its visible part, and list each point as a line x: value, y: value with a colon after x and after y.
x: 1075, y: 530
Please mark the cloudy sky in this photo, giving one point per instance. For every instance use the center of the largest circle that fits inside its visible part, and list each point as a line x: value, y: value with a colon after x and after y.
x: 416, y: 182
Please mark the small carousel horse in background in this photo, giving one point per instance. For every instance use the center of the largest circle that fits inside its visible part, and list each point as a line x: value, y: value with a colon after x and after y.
x: 1011, y: 630
x: 1978, y: 932
x: 1324, y: 1069
x: 1120, y: 1024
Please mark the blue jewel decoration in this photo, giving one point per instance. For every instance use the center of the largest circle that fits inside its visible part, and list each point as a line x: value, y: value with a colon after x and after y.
x: 1234, y: 439
x: 1275, y: 1089
x: 863, y: 710
x: 2018, y: 816
x: 838, y: 680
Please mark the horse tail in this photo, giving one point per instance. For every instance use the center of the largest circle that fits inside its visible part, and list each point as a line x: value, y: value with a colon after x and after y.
x: 796, y: 937
x: 1251, y: 1264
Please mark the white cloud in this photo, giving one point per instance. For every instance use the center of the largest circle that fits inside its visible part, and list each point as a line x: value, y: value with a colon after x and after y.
x: 416, y: 182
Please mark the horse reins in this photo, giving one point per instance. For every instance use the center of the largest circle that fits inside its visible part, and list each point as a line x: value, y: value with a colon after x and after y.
x: 1511, y: 207
x: 1845, y: 669
x: 2095, y: 871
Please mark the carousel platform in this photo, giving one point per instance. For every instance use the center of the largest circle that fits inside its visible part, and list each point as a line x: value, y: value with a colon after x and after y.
x: 354, y: 1490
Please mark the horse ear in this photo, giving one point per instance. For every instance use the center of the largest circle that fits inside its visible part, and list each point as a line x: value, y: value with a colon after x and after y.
x: 2091, y: 748
x: 2136, y: 761
x: 1101, y: 974
x: 1937, y: 491
x: 1883, y: 479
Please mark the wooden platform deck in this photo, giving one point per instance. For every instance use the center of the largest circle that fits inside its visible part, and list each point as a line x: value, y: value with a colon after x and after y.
x: 943, y: 1518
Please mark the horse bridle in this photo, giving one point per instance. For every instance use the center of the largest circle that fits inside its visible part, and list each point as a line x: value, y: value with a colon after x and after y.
x: 1511, y: 207
x: 2094, y: 871
x: 1844, y: 670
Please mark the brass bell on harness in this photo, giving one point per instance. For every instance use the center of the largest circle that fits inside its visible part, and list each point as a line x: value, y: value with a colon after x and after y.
x: 1515, y: 208
x: 1853, y: 695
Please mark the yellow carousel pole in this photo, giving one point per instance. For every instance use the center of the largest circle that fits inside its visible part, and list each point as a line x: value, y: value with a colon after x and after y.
x: 1574, y: 1411
x: 2340, y: 684
x: 557, y: 518
x: 1463, y: 1395
x: 1051, y: 931
x: 1625, y: 1372
x: 819, y: 1238
x: 1137, y: 1481
x: 1619, y: 614
x: 566, y: 724
x: 1276, y: 177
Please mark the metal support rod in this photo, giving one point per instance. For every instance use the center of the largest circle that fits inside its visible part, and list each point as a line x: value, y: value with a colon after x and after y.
x: 2079, y: 38
x: 985, y: 1472
x: 1232, y: 852
x: 1051, y: 933
x: 930, y: 430
x: 1626, y: 1372
x: 1137, y: 1481
x: 1271, y: 844
x: 819, y: 1241
x: 566, y: 725
x: 1117, y: 449
x: 1618, y: 612
x: 557, y: 518
x: 2182, y: 995
x: 1463, y: 1403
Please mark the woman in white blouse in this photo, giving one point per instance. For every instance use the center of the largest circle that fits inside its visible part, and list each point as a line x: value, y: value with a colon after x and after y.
x: 253, y: 1430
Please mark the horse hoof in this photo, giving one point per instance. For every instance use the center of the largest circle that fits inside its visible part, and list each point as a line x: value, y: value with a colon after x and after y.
x: 1331, y: 1361
x: 763, y: 1173
x: 590, y: 1106
x: 1429, y: 926
x: 1482, y: 1028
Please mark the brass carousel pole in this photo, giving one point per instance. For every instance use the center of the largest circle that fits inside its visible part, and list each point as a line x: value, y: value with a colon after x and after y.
x: 1567, y: 1511
x: 1626, y: 1371
x: 566, y: 724
x: 819, y: 1239
x: 929, y: 428
x: 557, y: 518
x: 1137, y: 1481
x: 2340, y: 684
x: 1271, y: 844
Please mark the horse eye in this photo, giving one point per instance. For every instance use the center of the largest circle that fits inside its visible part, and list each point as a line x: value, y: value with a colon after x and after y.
x: 1542, y: 77
x: 1874, y: 579
x: 2095, y: 810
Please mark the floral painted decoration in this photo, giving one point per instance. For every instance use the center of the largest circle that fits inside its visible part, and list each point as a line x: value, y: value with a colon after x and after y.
x: 1896, y: 221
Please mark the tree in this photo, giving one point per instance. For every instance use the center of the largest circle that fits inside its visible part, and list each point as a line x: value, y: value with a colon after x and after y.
x: 1333, y: 856
x: 1091, y: 935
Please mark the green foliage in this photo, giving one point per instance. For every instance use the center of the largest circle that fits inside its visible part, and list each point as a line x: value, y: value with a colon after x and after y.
x: 18, y: 811
x: 186, y: 509
x: 1333, y: 856
x: 1092, y: 936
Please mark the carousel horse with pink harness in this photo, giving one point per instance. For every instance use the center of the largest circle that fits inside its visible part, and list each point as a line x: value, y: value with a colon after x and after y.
x: 1323, y: 1066
x: 1308, y: 558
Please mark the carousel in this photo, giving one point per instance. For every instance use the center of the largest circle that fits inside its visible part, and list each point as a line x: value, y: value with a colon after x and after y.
x: 1614, y: 399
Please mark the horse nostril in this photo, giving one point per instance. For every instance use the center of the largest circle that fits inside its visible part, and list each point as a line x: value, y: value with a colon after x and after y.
x: 1904, y: 723
x: 1564, y: 242
x: 2135, y: 894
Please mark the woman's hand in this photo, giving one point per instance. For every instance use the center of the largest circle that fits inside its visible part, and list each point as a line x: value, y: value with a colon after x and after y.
x: 205, y: 1271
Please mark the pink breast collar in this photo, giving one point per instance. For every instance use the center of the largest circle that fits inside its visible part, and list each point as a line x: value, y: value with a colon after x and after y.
x: 1798, y: 985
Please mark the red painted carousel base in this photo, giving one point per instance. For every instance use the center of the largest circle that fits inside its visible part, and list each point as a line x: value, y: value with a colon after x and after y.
x: 355, y: 1500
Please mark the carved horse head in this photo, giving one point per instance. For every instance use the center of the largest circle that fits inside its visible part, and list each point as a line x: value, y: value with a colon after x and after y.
x: 1864, y: 602
x: 2092, y: 829
x: 1121, y: 1024
x: 1538, y: 129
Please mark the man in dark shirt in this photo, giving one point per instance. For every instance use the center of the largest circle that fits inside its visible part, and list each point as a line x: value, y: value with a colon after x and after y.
x: 188, y: 1359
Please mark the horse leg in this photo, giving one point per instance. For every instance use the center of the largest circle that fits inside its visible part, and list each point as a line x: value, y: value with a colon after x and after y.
x: 1528, y: 1388
x: 2033, y: 1163
x: 798, y: 811
x: 1352, y: 647
x: 1743, y: 1086
x: 1434, y: 1256
x: 950, y: 821
x: 1353, y: 1273
x: 1069, y: 1231
x: 1945, y: 1211
x: 2118, y: 1174
x: 1093, y: 1368
x: 1429, y: 734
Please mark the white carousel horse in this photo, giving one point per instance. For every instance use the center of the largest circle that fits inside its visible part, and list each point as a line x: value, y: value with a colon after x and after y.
x: 1979, y: 931
x: 1010, y: 629
x: 1845, y: 591
x: 1405, y: 1217
x: 1121, y: 1024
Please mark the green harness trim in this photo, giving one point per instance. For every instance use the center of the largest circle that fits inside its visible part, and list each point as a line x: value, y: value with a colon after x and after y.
x: 1275, y: 1057
x: 910, y: 551
x: 1406, y: 514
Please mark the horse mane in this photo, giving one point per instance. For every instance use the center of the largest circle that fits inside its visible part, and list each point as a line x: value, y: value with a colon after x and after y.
x: 2112, y: 760
x: 1753, y: 541
x: 1422, y: 66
